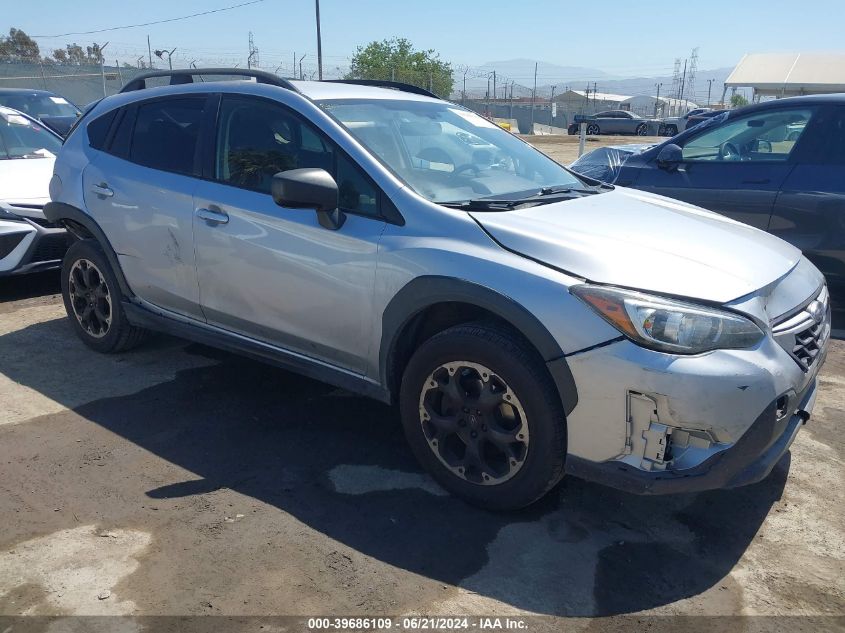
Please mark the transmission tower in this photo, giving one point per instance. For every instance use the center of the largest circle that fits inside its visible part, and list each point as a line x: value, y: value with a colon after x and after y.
x: 252, y: 60
x: 693, y: 65
x: 676, y: 79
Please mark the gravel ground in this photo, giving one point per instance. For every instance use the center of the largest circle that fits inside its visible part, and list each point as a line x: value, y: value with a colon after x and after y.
x: 179, y: 480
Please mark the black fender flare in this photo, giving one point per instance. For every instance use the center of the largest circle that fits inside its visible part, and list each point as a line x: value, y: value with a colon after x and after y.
x: 83, y: 226
x: 426, y: 291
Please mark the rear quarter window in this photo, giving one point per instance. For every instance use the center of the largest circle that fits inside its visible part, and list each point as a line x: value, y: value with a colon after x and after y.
x: 98, y: 130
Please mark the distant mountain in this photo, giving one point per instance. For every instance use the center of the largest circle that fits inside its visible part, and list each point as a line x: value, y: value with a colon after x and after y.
x: 647, y: 85
x: 521, y: 72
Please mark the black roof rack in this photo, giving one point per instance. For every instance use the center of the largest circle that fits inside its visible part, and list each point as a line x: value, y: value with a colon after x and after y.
x: 378, y: 83
x: 186, y: 76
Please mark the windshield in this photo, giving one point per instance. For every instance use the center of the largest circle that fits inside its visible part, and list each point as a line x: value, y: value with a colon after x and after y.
x: 446, y: 153
x: 23, y: 138
x: 38, y: 106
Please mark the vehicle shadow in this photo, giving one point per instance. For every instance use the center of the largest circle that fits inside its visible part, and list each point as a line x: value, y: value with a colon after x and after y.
x: 339, y: 464
x: 29, y: 286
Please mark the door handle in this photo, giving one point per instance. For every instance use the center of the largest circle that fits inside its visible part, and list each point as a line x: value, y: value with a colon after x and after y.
x: 759, y: 181
x: 212, y: 217
x: 102, y: 190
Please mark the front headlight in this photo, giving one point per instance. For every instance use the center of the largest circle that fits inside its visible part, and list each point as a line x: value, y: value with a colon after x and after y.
x: 668, y: 325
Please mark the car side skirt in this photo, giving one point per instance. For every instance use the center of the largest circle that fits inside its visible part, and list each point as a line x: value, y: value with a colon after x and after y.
x: 160, y: 321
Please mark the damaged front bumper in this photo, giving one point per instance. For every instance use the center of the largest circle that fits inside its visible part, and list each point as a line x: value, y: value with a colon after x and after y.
x: 653, y: 423
x: 748, y: 461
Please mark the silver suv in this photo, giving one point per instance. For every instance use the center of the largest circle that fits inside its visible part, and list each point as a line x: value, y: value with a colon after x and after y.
x: 527, y: 321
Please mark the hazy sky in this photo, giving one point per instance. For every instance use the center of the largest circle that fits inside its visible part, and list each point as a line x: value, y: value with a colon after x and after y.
x: 623, y: 37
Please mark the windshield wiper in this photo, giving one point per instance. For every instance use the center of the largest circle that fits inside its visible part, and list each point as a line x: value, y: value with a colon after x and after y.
x: 550, y: 191
x: 482, y: 204
x: 546, y: 195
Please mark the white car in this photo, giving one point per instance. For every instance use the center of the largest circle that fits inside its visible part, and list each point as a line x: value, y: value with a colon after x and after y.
x: 673, y: 125
x: 28, y: 242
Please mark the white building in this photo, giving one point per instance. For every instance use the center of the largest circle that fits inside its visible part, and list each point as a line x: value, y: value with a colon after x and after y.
x: 583, y: 102
x: 788, y: 74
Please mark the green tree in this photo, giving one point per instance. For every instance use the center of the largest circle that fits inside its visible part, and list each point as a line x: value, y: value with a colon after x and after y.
x: 396, y: 59
x: 20, y: 46
x: 75, y: 54
x: 737, y: 101
x: 60, y: 55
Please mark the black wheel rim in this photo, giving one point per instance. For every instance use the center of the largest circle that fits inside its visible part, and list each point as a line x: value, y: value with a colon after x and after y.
x: 90, y: 298
x: 474, y: 423
x: 642, y: 131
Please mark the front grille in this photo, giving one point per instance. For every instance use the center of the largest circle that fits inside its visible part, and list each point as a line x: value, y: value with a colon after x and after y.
x: 50, y: 248
x: 805, y: 333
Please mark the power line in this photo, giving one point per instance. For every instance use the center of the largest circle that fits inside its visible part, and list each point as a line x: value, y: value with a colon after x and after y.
x: 132, y: 26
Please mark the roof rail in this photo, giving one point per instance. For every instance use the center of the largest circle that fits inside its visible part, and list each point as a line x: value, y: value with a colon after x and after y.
x: 378, y: 83
x: 186, y: 76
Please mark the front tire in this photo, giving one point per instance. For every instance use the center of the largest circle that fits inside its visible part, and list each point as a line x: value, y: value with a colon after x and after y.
x: 483, y: 416
x: 642, y: 130
x: 92, y: 299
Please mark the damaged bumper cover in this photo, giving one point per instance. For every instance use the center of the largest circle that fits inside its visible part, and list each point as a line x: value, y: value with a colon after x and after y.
x: 748, y: 461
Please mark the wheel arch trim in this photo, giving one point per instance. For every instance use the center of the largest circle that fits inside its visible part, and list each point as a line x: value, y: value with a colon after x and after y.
x: 72, y: 218
x: 424, y: 292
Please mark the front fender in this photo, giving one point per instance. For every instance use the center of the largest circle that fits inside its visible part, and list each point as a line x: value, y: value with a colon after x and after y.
x: 423, y: 292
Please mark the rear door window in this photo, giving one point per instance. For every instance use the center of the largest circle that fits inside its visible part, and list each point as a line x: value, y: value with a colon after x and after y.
x: 166, y: 132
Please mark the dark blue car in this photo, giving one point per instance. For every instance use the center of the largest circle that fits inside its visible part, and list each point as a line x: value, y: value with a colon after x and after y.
x: 778, y: 165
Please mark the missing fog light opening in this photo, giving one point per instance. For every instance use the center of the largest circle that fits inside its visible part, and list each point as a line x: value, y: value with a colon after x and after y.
x: 658, y: 445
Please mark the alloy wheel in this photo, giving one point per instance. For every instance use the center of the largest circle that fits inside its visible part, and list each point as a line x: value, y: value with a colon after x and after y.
x: 592, y: 129
x: 474, y: 423
x: 90, y: 298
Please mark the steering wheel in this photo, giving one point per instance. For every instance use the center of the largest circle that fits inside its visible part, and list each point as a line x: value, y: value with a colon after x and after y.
x: 729, y: 151
x: 465, y: 167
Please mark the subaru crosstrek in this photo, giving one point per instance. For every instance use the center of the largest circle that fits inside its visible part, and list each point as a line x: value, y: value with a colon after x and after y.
x: 528, y: 322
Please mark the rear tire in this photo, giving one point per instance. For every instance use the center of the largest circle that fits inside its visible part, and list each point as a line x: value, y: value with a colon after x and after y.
x: 593, y: 129
x: 93, y: 300
x: 483, y: 416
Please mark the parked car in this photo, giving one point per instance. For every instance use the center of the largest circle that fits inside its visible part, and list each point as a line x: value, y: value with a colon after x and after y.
x: 778, y: 166
x: 614, y: 122
x: 28, y: 242
x: 694, y: 120
x: 527, y: 321
x: 51, y: 109
x: 672, y: 125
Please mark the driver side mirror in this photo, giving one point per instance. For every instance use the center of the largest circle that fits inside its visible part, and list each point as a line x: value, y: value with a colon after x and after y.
x: 670, y: 157
x: 309, y: 188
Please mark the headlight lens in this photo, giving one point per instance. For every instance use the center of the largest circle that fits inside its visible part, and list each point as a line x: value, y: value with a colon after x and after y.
x: 668, y: 325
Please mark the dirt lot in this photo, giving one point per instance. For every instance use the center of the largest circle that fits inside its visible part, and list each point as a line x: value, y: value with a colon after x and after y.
x: 178, y: 480
x: 564, y: 148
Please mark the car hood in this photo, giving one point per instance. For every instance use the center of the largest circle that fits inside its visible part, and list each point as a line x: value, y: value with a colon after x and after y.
x: 26, y: 180
x: 639, y: 240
